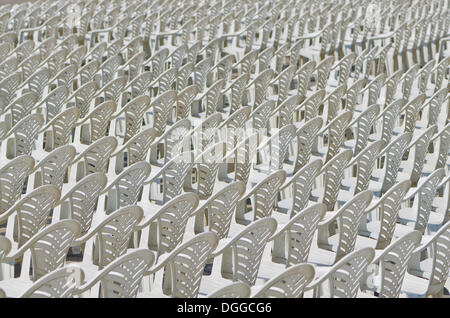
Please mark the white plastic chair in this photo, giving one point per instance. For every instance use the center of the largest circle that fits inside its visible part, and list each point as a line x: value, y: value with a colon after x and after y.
x: 60, y: 283
x: 179, y: 273
x: 344, y: 278
x: 12, y: 179
x: 333, y: 244
x: 108, y: 238
x: 31, y: 214
x: 121, y: 278
x: 387, y: 273
x: 163, y: 231
x: 239, y: 258
x: 44, y: 252
x: 288, y: 284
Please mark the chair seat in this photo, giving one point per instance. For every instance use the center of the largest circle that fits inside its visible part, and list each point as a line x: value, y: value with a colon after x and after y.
x: 152, y: 294
x: 321, y: 257
x: 15, y: 287
x: 414, y: 286
x: 311, y: 53
x: 269, y: 269
x: 408, y: 215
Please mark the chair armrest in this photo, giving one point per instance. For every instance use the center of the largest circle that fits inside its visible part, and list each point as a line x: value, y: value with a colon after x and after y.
x: 382, y: 36
x: 318, y: 281
x: 222, y: 246
x: 153, y: 176
x: 309, y: 36
x: 162, y: 260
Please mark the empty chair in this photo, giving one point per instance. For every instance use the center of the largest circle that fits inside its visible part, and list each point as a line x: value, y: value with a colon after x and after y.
x: 185, y: 265
x: 378, y: 228
x: 292, y: 241
x: 288, y: 284
x: 21, y: 107
x: 134, y: 150
x: 52, y: 169
x: 335, y: 131
x: 330, y: 178
x: 262, y: 196
x: 245, y: 250
x: 96, y: 124
x: 333, y: 244
x: 345, y: 277
x: 418, y: 212
x: 171, y: 143
x: 58, y: 132
x: 126, y: 188
x: 389, y: 267
x: 364, y: 124
x: 20, y: 139
x: 383, y: 178
x: 121, y: 278
x: 164, y: 230
x: 296, y: 191
x: 361, y: 168
x: 307, y: 135
x: 80, y: 202
x: 108, y: 238
x: 128, y: 119
x: 412, y: 167
x: 30, y: 214
x: 216, y: 213
x: 12, y: 180
x: 95, y: 158
x: 168, y: 182
x: 44, y: 252
x: 426, y: 277
x: 60, y: 283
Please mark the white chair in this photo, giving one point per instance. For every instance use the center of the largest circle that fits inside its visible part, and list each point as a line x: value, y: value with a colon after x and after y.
x: 344, y: 278
x: 108, y: 238
x: 263, y: 197
x: 216, y: 213
x: 239, y: 258
x: 12, y: 180
x: 418, y: 212
x: 179, y: 273
x: 427, y: 276
x: 167, y: 182
x: 288, y: 284
x: 334, y: 243
x: 362, y: 167
x: 44, y: 252
x: 30, y: 214
x: 384, y: 178
x: 79, y: 203
x: 292, y: 241
x: 128, y: 119
x: 94, y: 125
x: 330, y: 179
x: 162, y: 231
x: 126, y: 188
x: 20, y: 139
x: 296, y: 191
x: 307, y: 135
x: 60, y: 283
x: 388, y: 269
x: 120, y: 279
x: 95, y: 158
x: 52, y: 169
